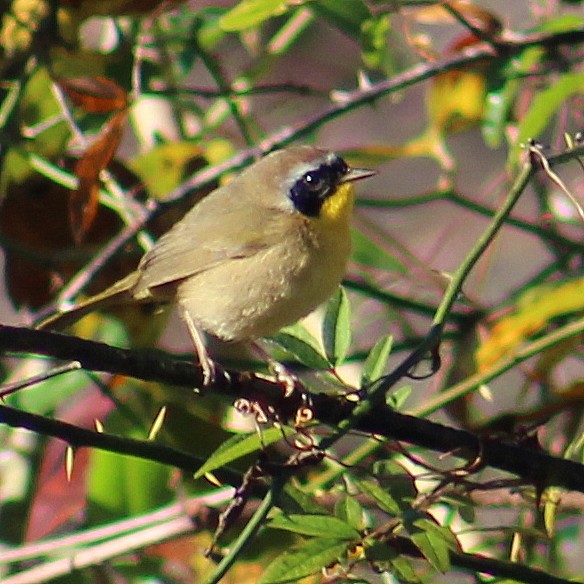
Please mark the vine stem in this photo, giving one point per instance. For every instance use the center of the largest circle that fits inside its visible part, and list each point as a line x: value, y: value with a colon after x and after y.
x: 504, y: 364
x: 377, y: 390
x: 458, y: 278
x: 248, y: 531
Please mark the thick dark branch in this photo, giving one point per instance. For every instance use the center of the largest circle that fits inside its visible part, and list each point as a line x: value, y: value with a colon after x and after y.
x: 527, y: 462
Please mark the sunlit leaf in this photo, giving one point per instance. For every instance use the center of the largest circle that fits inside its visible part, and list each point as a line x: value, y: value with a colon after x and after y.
x: 303, y: 561
x: 543, y: 107
x: 374, y: 47
x: 376, y: 360
x: 456, y: 100
x: 385, y: 555
x: 122, y: 485
x: 295, y: 500
x: 297, y: 341
x: 249, y: 13
x: 19, y: 22
x: 241, y: 445
x: 349, y: 510
x: 397, y: 399
x: 165, y: 166
x: 503, y: 84
x: 383, y: 499
x: 434, y: 541
x: 348, y: 15
x: 162, y: 168
x: 563, y: 22
x: 534, y: 310
x: 314, y: 525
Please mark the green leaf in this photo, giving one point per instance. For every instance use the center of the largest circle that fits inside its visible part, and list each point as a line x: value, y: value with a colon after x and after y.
x: 503, y: 83
x: 563, y: 23
x: 303, y: 561
x: 398, y: 398
x: 241, y: 445
x: 120, y: 486
x: 374, y: 46
x: 250, y: 13
x: 383, y: 499
x: 376, y: 360
x: 434, y: 550
x: 369, y: 254
x: 403, y: 487
x: 498, y: 103
x: 336, y: 328
x: 404, y: 569
x: 314, y: 525
x: 297, y: 341
x: 383, y: 553
x: 162, y: 168
x: 294, y: 500
x: 349, y: 510
x: 435, y: 542
x: 348, y: 15
x: 544, y: 105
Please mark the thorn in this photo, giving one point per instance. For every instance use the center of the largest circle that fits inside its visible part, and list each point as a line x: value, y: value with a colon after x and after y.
x: 69, y: 459
x: 157, y: 424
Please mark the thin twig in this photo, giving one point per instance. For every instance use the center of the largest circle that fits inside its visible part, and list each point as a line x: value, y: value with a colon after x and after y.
x: 10, y: 388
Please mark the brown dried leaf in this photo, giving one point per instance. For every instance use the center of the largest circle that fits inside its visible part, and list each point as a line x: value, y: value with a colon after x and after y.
x: 84, y: 201
x: 98, y: 95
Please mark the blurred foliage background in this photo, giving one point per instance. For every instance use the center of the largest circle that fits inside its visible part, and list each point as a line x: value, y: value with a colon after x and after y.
x: 117, y: 116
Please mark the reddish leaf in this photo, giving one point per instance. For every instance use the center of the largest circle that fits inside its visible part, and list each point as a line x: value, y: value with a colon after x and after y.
x: 84, y: 201
x: 58, y: 501
x: 95, y: 94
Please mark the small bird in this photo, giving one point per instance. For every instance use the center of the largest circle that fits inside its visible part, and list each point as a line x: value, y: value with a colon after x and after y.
x: 253, y: 256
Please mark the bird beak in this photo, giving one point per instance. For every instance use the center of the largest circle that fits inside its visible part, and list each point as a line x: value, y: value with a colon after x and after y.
x: 357, y: 174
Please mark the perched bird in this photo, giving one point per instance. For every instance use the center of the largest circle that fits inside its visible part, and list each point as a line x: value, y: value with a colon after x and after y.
x: 253, y: 256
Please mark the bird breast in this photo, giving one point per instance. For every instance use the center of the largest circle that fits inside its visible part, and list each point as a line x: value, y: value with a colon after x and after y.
x: 256, y: 296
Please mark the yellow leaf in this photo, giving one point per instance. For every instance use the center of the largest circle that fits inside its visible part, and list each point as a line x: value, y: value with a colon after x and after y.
x: 456, y: 100
x: 535, y: 309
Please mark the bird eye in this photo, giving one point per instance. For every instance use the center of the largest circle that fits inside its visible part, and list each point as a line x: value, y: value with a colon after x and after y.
x: 316, y: 182
x: 311, y: 190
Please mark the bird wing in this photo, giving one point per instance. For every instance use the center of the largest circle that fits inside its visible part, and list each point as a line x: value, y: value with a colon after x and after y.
x: 203, y: 240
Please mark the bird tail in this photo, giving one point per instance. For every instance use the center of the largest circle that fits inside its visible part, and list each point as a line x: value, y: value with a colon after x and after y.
x: 119, y: 293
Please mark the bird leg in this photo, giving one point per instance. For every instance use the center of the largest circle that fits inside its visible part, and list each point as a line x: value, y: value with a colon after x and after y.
x: 207, y: 364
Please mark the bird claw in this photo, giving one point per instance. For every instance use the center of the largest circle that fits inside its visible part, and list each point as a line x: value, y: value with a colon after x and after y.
x: 209, y: 371
x: 287, y: 380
